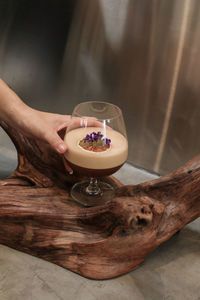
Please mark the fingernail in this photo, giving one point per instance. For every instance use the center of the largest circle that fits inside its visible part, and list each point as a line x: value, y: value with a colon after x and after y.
x: 61, y: 148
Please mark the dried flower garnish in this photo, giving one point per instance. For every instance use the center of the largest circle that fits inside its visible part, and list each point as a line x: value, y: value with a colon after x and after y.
x: 95, y: 142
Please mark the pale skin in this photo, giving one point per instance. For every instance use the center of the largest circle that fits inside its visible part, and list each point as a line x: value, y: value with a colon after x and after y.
x: 34, y: 123
x: 31, y: 122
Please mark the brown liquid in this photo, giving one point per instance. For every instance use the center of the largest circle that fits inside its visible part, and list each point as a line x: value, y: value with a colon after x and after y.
x: 93, y: 172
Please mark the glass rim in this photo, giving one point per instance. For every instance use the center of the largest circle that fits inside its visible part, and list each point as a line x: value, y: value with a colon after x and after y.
x: 118, y: 112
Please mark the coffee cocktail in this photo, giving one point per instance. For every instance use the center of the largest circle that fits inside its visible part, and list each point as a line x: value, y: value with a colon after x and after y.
x: 102, y: 154
x: 97, y: 147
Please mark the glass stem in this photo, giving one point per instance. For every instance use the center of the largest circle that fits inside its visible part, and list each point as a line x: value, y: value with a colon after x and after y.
x: 93, y: 188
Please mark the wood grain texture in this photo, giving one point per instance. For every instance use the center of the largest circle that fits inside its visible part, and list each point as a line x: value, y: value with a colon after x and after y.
x: 38, y: 216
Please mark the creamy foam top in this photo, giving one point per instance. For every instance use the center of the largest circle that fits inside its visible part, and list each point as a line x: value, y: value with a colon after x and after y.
x: 112, y: 157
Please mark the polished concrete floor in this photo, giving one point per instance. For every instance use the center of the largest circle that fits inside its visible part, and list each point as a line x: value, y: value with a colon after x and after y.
x: 171, y: 272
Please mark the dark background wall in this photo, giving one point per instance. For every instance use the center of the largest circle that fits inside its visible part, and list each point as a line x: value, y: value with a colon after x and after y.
x: 33, y: 35
x: 142, y: 55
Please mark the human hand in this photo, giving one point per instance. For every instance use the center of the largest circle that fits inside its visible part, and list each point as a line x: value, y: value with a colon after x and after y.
x: 37, y: 124
x: 48, y: 127
x: 44, y: 126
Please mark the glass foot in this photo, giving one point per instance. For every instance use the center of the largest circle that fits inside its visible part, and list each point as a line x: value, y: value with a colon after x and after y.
x: 87, y: 195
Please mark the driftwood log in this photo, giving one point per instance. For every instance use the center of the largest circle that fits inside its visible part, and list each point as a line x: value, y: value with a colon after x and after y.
x: 38, y: 216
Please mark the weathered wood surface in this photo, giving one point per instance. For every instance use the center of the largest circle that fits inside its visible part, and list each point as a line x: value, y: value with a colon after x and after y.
x: 38, y: 216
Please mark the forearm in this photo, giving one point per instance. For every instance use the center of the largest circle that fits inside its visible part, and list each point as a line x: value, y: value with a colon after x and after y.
x: 12, y: 108
x: 31, y: 122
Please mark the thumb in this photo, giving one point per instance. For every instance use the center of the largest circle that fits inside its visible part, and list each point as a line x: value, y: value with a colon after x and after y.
x: 56, y: 143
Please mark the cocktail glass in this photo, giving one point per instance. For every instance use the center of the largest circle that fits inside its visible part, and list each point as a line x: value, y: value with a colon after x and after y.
x: 97, y: 147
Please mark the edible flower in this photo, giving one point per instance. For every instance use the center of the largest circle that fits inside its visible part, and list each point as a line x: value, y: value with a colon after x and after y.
x: 95, y: 142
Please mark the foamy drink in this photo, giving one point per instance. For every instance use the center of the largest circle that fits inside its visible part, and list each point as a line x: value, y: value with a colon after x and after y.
x: 106, y: 155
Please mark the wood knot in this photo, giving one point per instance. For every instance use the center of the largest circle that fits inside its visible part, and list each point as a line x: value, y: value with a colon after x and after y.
x: 141, y: 218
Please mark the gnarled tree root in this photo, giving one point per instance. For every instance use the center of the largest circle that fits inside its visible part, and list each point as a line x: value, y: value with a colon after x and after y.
x: 38, y: 216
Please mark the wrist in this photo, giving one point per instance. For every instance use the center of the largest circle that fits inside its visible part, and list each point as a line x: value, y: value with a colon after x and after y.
x: 11, y: 106
x: 13, y: 110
